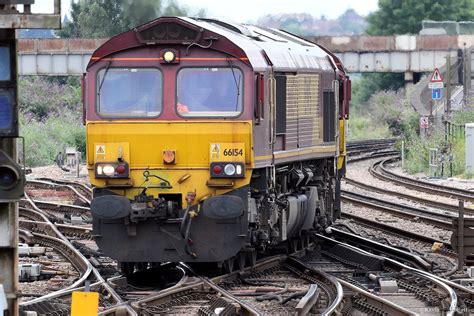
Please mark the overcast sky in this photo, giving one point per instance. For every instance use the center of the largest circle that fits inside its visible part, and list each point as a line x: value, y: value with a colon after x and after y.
x: 251, y: 10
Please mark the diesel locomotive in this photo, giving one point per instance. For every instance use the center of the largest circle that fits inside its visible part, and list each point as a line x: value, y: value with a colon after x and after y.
x: 211, y: 141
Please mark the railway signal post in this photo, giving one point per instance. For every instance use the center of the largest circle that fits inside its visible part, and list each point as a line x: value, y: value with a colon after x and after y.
x: 11, y: 174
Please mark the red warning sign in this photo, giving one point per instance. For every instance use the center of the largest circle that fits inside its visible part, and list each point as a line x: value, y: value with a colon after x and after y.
x: 436, y: 76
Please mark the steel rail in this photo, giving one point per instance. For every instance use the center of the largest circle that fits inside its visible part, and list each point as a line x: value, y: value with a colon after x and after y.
x: 60, y: 207
x: 389, y: 250
x: 405, y: 211
x: 83, y: 187
x: 297, y: 267
x: 339, y: 293
x: 89, y: 271
x: 393, y: 309
x: 306, y: 303
x: 394, y: 230
x: 31, y: 214
x: 52, y: 184
x: 59, y: 245
x: 440, y: 205
x: 418, y: 185
x: 432, y: 278
x: 67, y: 230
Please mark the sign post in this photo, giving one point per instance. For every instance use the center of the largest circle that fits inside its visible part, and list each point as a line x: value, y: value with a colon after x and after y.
x: 436, y: 85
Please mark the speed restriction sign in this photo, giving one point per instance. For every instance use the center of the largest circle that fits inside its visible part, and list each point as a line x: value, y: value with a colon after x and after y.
x: 424, y: 122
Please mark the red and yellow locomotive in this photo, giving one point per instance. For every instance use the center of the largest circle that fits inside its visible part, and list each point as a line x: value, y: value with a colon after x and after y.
x: 208, y: 141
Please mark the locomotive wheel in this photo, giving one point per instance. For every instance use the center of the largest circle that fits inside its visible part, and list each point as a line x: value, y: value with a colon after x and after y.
x: 127, y: 268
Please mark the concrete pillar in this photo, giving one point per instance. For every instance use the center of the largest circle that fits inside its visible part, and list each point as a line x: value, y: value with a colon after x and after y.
x: 408, y: 79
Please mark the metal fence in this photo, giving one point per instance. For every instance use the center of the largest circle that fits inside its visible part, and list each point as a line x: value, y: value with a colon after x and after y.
x: 455, y: 131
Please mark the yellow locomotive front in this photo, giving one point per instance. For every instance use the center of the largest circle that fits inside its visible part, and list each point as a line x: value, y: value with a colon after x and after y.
x: 169, y: 150
x: 209, y: 141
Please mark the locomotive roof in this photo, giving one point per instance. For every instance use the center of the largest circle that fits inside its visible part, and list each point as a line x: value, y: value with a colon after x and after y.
x: 260, y: 47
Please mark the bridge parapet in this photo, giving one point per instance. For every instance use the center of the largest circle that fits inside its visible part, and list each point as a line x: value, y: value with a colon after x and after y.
x: 400, y: 43
x: 400, y: 53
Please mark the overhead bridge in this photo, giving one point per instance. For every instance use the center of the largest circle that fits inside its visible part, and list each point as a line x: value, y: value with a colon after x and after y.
x: 403, y: 53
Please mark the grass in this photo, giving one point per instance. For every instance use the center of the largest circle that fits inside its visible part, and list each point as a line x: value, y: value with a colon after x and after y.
x: 363, y: 127
x: 45, y: 139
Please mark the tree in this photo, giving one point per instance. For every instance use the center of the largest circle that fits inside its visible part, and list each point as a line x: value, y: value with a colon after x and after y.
x: 105, y: 18
x: 405, y: 16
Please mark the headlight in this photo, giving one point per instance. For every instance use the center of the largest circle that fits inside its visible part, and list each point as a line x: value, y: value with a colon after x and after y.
x: 109, y: 170
x: 229, y: 169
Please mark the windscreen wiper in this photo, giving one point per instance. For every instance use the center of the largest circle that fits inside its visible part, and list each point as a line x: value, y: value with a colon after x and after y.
x: 237, y: 84
x: 103, y: 78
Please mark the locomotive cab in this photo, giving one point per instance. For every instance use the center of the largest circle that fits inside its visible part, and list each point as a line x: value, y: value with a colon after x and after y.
x: 186, y: 148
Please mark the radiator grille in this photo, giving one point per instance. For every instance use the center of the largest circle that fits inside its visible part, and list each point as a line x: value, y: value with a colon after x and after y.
x: 303, y: 128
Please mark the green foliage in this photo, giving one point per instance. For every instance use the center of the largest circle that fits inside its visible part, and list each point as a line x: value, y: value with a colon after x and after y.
x: 418, y: 148
x: 40, y: 98
x: 464, y: 116
x: 362, y: 127
x: 371, y: 83
x: 405, y: 16
x: 104, y: 18
x: 45, y: 139
x: 50, y: 117
x: 386, y: 114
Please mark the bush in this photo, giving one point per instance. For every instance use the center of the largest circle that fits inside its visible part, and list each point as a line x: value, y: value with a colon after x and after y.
x: 45, y: 139
x: 386, y: 114
x: 42, y: 97
x: 50, y: 118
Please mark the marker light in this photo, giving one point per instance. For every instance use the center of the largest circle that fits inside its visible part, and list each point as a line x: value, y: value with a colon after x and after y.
x: 217, y: 169
x: 238, y: 169
x: 99, y: 170
x: 229, y: 169
x: 120, y: 169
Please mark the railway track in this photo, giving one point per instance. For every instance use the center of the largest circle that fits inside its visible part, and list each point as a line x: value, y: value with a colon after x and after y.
x: 448, y: 297
x: 83, y: 196
x: 380, y: 171
x: 52, y: 236
x: 425, y: 201
x: 59, y: 212
x: 276, y: 285
x: 366, y: 146
x: 440, y: 219
x: 72, y: 232
x: 85, y: 189
x: 283, y: 284
x: 393, y: 230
